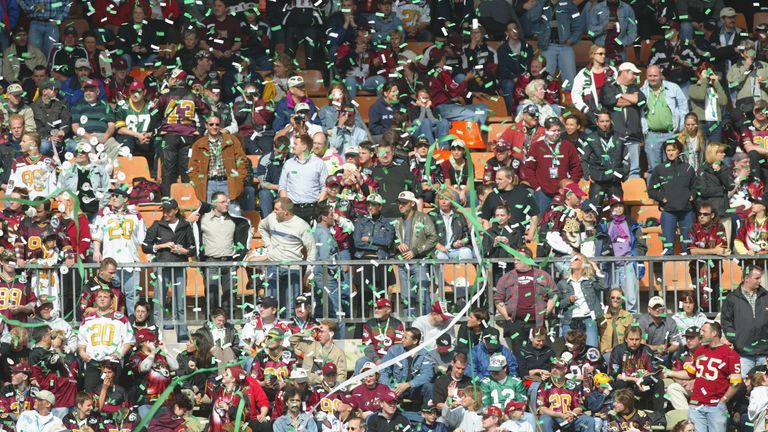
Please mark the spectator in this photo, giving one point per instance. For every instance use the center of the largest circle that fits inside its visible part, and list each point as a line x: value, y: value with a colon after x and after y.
x: 626, y: 239
x: 666, y: 108
x: 694, y: 142
x: 281, y: 247
x: 412, y: 379
x: 604, y: 160
x: 319, y: 353
x: 616, y: 321
x: 62, y: 60
x: 73, y: 89
x: 15, y: 105
x: 612, y: 24
x: 468, y: 412
x: 302, y: 179
x: 743, y: 315
x: 537, y: 71
x: 347, y: 134
x: 21, y: 57
x: 104, y: 279
x: 380, y: 333
x: 560, y: 402
x: 40, y: 415
x: 477, y: 56
x: 536, y: 95
x: 42, y: 182
x: 676, y: 57
x: 135, y: 38
x: 549, y: 161
x: 452, y: 232
x: 708, y: 236
x: 627, y: 104
x: 679, y: 392
x: 171, y: 240
x: 137, y: 121
x: 589, y: 82
x: 96, y: 119
x: 708, y: 99
x: 339, y: 103
x: 254, y: 120
x: 753, y: 134
x: 427, y: 122
x: 481, y: 355
x: 52, y: 118
x: 396, y: 176
x: 580, y: 302
x: 382, y: 111
x: 22, y: 299
x: 374, y: 236
x: 415, y: 17
x: 660, y: 333
x: 500, y: 388
x: 118, y: 85
x: 690, y: 315
x: 446, y: 92
x: 558, y: 49
x: 389, y: 417
x: 89, y: 181
x: 515, y: 56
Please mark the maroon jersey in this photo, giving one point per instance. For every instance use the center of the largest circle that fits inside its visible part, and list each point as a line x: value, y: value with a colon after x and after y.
x: 14, y: 400
x: 268, y: 367
x: 714, y: 367
x: 221, y: 398
x: 156, y: 380
x: 755, y: 133
x: 29, y: 245
x: 637, y: 420
x: 180, y: 109
x: 118, y: 423
x: 383, y: 333
x: 319, y: 396
x: 368, y: 399
x: 560, y: 399
x: 9, y: 223
x: 14, y: 293
x: 294, y: 326
x: 707, y: 237
x: 60, y: 380
x: 96, y: 284
x: 585, y: 364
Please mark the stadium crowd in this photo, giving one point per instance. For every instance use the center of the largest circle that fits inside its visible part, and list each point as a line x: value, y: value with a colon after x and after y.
x: 199, y: 88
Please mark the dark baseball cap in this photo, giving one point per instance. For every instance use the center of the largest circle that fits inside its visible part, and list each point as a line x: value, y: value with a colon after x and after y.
x: 268, y: 302
x: 169, y: 204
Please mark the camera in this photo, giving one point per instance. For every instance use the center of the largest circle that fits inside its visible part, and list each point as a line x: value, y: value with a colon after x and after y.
x: 300, y: 117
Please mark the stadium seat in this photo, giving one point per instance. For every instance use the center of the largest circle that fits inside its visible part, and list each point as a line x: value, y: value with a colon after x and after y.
x: 320, y: 101
x: 363, y: 104
x: 452, y: 272
x: 645, y: 51
x: 730, y: 275
x: 439, y: 156
x: 496, y: 130
x: 469, y: 132
x: 635, y: 192
x: 313, y: 82
x: 479, y: 159
x: 676, y: 416
x: 653, y: 239
x: 2, y: 201
x: 581, y: 50
x: 254, y: 160
x: 498, y: 109
x: 759, y: 18
x: 631, y: 54
x: 128, y: 168
x: 642, y: 213
x: 184, y: 194
x: 253, y: 216
x: 741, y: 21
x: 418, y: 47
x: 675, y: 276
x: 139, y: 74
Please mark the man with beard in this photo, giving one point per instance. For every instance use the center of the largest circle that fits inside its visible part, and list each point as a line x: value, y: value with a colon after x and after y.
x: 678, y: 392
x: 295, y: 418
x: 136, y: 120
x: 561, y: 401
x: 380, y: 333
x: 32, y: 171
x: 93, y: 120
x: 180, y: 108
x: 632, y: 365
x: 52, y: 117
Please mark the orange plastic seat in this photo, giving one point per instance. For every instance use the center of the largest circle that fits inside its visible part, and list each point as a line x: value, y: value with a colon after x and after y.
x: 642, y: 213
x: 479, y: 159
x: 140, y: 74
x: 254, y: 160
x: 497, y: 130
x: 364, y: 104
x: 741, y: 21
x: 498, y: 109
x: 469, y: 132
x: 184, y: 194
x: 759, y: 18
x: 730, y: 275
x: 128, y: 168
x: 675, y: 276
x: 581, y: 50
x: 635, y: 192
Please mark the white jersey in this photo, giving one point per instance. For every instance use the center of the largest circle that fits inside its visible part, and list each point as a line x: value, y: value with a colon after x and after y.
x: 39, y: 178
x: 120, y: 234
x: 104, y: 335
x: 412, y: 13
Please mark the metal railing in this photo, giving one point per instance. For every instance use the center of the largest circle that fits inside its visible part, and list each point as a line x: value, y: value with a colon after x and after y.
x: 187, y: 292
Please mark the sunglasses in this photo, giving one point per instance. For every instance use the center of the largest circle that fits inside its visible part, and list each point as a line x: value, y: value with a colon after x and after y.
x: 214, y: 124
x: 705, y: 214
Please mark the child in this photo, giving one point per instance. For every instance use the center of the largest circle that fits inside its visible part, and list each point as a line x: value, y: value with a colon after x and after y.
x: 624, y: 416
x: 600, y: 401
x: 429, y: 414
x: 515, y: 423
x: 46, y: 281
x: 758, y: 401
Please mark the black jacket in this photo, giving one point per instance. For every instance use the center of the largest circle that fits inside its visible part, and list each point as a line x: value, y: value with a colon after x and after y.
x: 514, y: 238
x: 531, y: 358
x: 673, y: 181
x: 242, y: 234
x: 599, y: 163
x: 747, y: 330
x: 160, y: 232
x: 7, y: 155
x: 627, y: 121
x: 230, y: 337
x: 713, y: 186
x: 459, y: 228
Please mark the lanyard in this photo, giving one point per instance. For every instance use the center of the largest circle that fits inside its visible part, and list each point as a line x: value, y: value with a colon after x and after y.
x: 555, y: 152
x: 607, y: 145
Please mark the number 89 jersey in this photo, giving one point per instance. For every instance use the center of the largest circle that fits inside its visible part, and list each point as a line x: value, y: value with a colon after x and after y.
x: 103, y: 335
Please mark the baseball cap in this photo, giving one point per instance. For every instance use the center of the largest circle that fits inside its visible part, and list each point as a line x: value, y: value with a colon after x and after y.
x: 368, y: 366
x: 353, y: 150
x: 575, y: 189
x: 202, y: 54
x: 692, y: 331
x: 332, y: 180
x: 407, y: 196
x: 46, y: 396
x: 491, y: 338
x: 436, y: 53
x: 136, y: 85
x: 727, y: 12
x: 44, y: 300
x: 15, y: 89
x: 616, y: 200
x: 531, y: 110
x: 82, y: 63
x: 514, y: 405
x: 275, y: 333
x: 588, y: 206
x: 389, y: 397
x: 629, y: 66
x: 299, y: 375
x: 70, y: 30
x: 444, y: 343
x: 655, y: 301
x: 329, y: 369
x: 120, y: 63
x: 145, y: 335
x: 22, y: 367
x: 497, y: 362
x: 458, y: 143
x: 383, y: 302
x: 9, y: 255
x: 429, y: 406
x: 169, y: 204
x: 302, y: 300
x: 119, y: 191
x: 49, y: 83
x: 491, y: 410
x: 375, y: 199
x: 296, y: 81
x: 441, y: 308
x: 268, y: 302
x: 178, y: 74
x: 90, y: 83
x: 301, y: 107
x: 503, y: 145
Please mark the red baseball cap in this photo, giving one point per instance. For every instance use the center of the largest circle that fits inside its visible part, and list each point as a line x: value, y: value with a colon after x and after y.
x: 491, y: 410
x: 145, y: 335
x: 514, y: 405
x: 441, y: 308
x: 90, y: 83
x: 329, y: 368
x: 136, y: 85
x: 389, y: 397
x: 575, y: 189
x: 383, y: 302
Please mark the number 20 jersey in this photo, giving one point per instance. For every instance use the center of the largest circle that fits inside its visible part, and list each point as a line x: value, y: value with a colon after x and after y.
x: 103, y: 335
x: 120, y: 234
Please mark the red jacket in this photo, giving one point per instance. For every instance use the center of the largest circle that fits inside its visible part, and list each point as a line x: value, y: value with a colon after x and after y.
x: 444, y: 89
x: 515, y: 136
x: 536, y: 169
x: 79, y: 236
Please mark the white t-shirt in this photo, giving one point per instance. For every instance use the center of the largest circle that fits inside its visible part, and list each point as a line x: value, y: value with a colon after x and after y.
x: 32, y: 421
x: 582, y: 309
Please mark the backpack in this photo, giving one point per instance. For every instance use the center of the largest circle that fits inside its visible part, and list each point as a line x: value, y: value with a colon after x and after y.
x: 144, y: 191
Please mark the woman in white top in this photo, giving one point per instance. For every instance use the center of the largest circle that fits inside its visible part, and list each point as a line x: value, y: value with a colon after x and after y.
x: 589, y: 82
x: 690, y: 315
x: 694, y: 142
x: 536, y: 91
x: 464, y: 413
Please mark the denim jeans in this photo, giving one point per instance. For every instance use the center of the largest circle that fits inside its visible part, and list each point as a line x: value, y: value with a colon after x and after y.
x: 218, y: 285
x: 633, y: 151
x: 475, y: 112
x: 432, y: 129
x: 669, y: 222
x: 625, y: 276
x: 542, y: 200
x: 373, y: 83
x: 591, y: 328
x: 128, y: 280
x: 462, y: 253
x: 708, y: 418
x: 328, y: 282
x: 712, y: 131
x: 266, y: 202
x: 583, y: 423
x: 284, y: 284
x: 173, y: 279
x: 654, y: 142
x: 221, y: 186
x: 561, y: 57
x: 749, y: 362
x: 43, y: 35
x: 414, y: 289
x: 508, y: 90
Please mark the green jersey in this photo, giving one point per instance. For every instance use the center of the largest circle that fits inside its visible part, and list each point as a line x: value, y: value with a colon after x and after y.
x: 137, y: 119
x: 499, y: 393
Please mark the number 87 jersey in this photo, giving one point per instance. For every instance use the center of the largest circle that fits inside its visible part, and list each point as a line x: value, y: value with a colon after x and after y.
x: 104, y: 335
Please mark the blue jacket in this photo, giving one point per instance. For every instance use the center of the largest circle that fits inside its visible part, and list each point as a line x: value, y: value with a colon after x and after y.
x: 592, y: 290
x: 283, y: 113
x: 383, y: 26
x: 422, y: 368
x: 72, y: 91
x: 380, y: 233
x: 380, y: 116
x: 13, y: 11
x: 598, y: 16
x: 511, y: 65
x: 337, y: 34
x: 480, y: 357
x: 570, y: 23
x: 676, y: 100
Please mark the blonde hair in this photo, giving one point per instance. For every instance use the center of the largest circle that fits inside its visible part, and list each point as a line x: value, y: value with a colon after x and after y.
x: 476, y: 395
x: 758, y: 379
x: 586, y: 265
x: 530, y: 89
x: 710, y: 154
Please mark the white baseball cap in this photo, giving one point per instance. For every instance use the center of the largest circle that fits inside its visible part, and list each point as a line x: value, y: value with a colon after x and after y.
x: 629, y: 66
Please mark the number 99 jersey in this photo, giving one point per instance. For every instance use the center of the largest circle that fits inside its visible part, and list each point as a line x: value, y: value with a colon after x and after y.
x: 103, y: 335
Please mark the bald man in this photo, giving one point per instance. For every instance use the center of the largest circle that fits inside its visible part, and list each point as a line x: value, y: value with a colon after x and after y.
x: 666, y: 107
